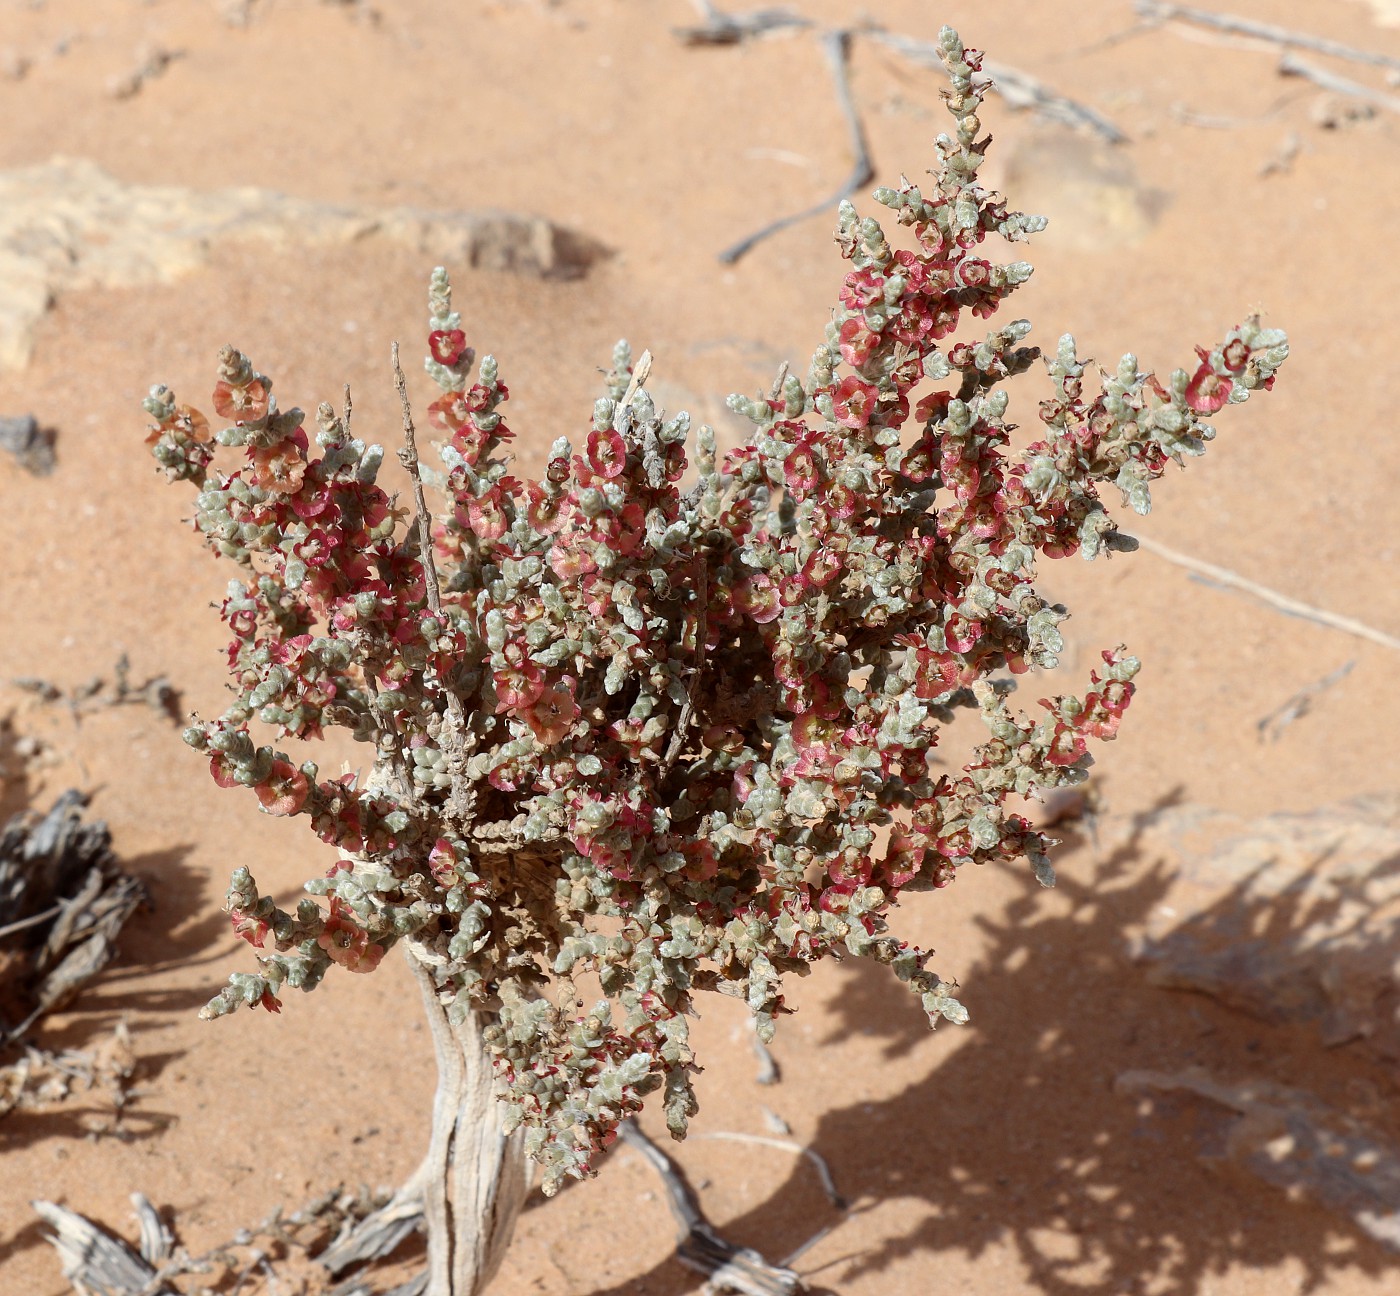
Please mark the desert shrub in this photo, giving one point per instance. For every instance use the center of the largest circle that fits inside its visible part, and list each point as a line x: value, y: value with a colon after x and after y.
x: 679, y: 737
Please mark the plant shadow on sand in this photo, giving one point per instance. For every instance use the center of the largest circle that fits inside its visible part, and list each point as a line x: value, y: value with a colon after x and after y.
x: 1018, y: 1137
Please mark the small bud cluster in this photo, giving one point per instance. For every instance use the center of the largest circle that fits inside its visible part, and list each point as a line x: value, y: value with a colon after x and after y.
x: 683, y: 741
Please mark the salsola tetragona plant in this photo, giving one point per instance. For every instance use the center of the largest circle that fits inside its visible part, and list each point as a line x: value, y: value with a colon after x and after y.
x: 682, y: 739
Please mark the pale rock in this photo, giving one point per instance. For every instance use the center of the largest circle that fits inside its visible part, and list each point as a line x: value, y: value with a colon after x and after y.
x: 67, y: 225
x: 1294, y: 917
x: 1291, y: 1140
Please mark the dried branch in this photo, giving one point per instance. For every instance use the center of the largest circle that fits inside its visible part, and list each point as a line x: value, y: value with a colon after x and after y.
x: 60, y: 871
x: 42, y: 1078
x: 1281, y: 36
x: 1274, y: 599
x: 94, y: 1260
x: 1297, y: 706
x: 836, y: 45
x: 157, y: 1242
x: 408, y: 456
x: 728, y: 1268
x: 380, y: 1232
x: 1290, y: 65
x: 93, y: 693
x: 641, y: 371
x: 1210, y: 121
x: 97, y: 1262
x: 729, y: 29
x: 1019, y: 89
x: 788, y: 1145
x: 22, y: 924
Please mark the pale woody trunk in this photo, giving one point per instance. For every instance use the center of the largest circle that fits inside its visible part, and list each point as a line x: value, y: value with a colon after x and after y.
x: 475, y: 1177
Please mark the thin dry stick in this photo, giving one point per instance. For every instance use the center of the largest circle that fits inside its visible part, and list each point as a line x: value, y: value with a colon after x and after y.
x: 1262, y: 592
x: 1211, y: 121
x: 1018, y: 88
x: 788, y: 1145
x: 1114, y: 38
x: 247, y: 1272
x: 157, y: 1242
x: 33, y: 920
x: 1290, y: 65
x: 729, y: 29
x: 836, y: 45
x: 1297, y: 706
x: 1282, y: 36
x: 408, y: 456
x: 727, y: 1268
x: 381, y: 1231
x: 94, y: 1259
x: 1021, y: 90
x: 803, y: 1247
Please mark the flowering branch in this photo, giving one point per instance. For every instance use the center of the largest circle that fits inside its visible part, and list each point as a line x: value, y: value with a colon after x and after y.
x: 455, y: 730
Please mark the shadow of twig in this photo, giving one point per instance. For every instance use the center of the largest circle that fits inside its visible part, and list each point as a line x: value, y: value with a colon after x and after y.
x: 1019, y: 1136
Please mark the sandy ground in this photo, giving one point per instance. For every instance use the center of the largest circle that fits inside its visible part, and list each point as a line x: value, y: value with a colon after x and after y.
x: 995, y: 1158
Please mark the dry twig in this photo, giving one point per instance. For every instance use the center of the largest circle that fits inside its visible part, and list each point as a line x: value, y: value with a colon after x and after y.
x: 641, y: 371
x: 408, y: 456
x: 1210, y: 121
x: 677, y: 743
x: 1284, y: 37
x: 62, y: 871
x: 156, y: 692
x: 788, y: 1145
x: 42, y: 1078
x: 729, y: 29
x: 94, y: 1260
x: 1018, y: 88
x: 1297, y: 706
x: 1223, y: 576
x: 727, y: 1268
x: 1291, y: 65
x: 836, y: 45
x: 97, y: 1262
